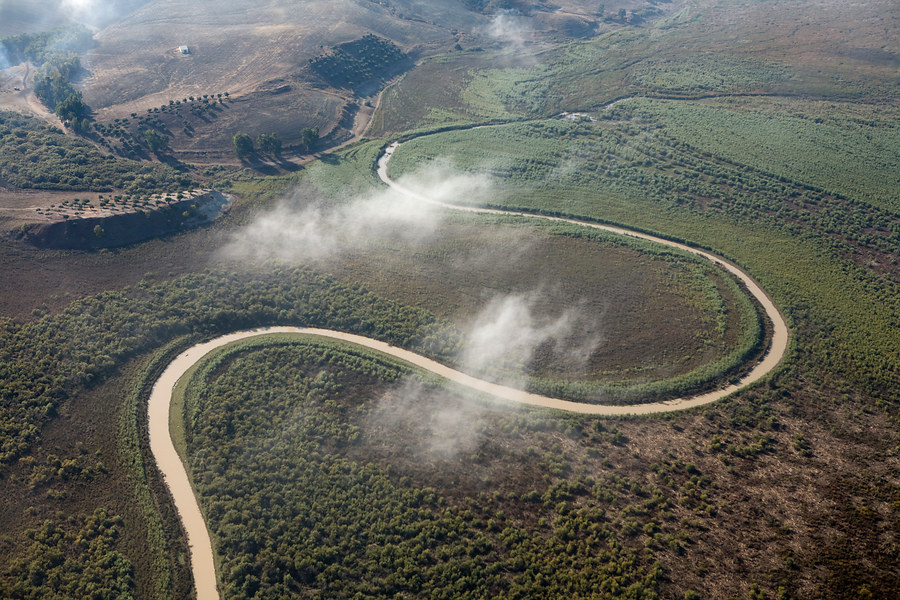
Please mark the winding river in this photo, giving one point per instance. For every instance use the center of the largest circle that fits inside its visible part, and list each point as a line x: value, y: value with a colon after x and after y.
x: 176, y: 477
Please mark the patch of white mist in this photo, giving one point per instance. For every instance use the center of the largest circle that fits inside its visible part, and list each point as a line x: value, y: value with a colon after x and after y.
x: 504, y: 337
x: 97, y: 13
x: 514, y: 32
x: 302, y: 228
x: 442, y: 182
x: 432, y: 424
x: 511, y: 28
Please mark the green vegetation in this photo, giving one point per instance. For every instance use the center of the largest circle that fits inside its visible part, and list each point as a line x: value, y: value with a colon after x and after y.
x: 846, y: 150
x: 243, y: 145
x: 349, y: 174
x: 99, y: 334
x: 56, y: 55
x: 412, y: 102
x: 39, y: 156
x: 309, y: 137
x: 159, y: 547
x: 36, y: 47
x: 94, y: 336
x: 722, y: 331
x: 269, y: 143
x: 356, y: 62
x: 628, y: 154
x: 156, y: 141
x: 285, y: 452
x: 833, y: 270
x: 328, y: 472
x: 690, y: 55
x: 266, y: 143
x: 703, y: 74
x: 75, y: 559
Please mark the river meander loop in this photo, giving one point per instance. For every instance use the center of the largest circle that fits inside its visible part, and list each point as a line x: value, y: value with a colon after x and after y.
x: 176, y: 476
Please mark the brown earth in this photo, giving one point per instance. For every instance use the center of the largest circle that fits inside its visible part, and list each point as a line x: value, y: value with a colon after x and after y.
x: 257, y: 54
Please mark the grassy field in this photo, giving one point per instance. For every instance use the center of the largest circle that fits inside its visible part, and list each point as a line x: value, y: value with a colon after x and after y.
x: 790, y: 49
x: 646, y: 315
x: 841, y: 148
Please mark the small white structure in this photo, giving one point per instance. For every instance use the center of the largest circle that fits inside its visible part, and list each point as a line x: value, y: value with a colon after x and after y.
x: 184, y: 49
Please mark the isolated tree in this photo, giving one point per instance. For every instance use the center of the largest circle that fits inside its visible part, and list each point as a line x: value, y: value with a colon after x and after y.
x: 71, y: 107
x: 601, y: 9
x: 309, y: 136
x: 268, y: 143
x: 622, y: 14
x: 243, y: 145
x: 155, y: 140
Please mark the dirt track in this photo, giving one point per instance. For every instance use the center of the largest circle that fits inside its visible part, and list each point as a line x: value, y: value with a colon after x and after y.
x: 16, y: 94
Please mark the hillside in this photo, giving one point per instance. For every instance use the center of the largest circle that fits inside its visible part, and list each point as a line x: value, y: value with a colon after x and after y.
x: 259, y: 56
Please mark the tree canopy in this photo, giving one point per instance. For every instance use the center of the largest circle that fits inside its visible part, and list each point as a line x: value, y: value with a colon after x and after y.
x: 268, y: 143
x: 243, y: 145
x: 309, y: 136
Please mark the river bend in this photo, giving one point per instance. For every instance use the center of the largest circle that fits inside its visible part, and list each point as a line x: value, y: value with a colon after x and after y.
x: 176, y: 476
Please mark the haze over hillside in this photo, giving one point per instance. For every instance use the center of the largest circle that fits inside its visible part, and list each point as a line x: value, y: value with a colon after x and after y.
x: 30, y: 16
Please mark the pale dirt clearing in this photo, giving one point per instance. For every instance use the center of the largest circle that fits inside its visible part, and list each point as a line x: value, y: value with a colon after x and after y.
x: 16, y: 94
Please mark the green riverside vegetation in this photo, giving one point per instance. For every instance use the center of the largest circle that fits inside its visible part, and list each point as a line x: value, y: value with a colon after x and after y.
x: 97, y: 334
x: 268, y: 423
x: 830, y: 264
